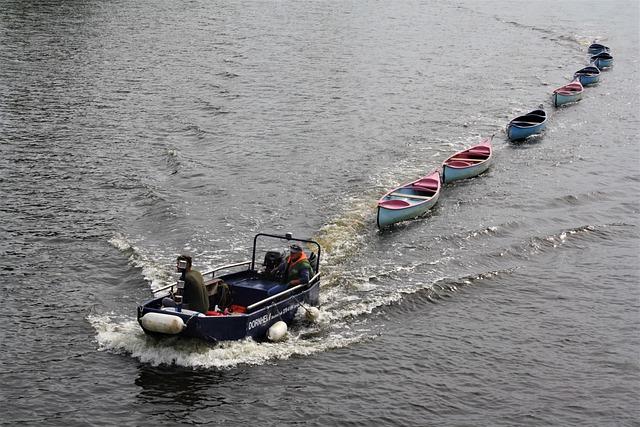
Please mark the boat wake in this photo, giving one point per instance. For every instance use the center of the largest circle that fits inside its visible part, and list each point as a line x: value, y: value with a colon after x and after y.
x: 351, y: 291
x: 126, y: 337
x: 153, y: 270
x: 347, y: 301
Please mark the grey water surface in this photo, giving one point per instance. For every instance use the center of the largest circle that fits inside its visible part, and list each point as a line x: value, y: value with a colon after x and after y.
x: 132, y: 131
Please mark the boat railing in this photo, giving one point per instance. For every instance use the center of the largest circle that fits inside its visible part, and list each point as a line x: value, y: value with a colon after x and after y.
x: 211, y: 272
x: 225, y: 267
x: 283, y: 293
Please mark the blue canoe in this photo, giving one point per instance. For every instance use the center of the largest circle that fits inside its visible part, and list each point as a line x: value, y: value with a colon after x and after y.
x: 588, y: 75
x: 409, y: 201
x: 602, y: 60
x: 258, y: 300
x: 596, y: 48
x: 468, y: 163
x: 523, y: 127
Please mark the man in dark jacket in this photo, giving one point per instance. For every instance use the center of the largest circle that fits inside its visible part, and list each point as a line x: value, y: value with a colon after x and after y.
x: 194, y: 295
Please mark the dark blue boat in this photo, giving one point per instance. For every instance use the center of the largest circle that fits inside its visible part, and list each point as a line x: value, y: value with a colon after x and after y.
x: 588, y: 76
x: 602, y: 60
x: 260, y: 307
x: 596, y: 48
x: 527, y: 125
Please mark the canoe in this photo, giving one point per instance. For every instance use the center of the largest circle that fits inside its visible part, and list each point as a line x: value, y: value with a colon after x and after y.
x: 602, y: 60
x: 588, y: 75
x: 523, y: 127
x: 260, y: 307
x: 408, y: 201
x: 468, y: 163
x: 568, y: 93
x: 596, y: 48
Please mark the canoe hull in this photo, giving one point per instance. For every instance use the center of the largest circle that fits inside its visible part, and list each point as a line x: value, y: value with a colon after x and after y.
x: 530, y: 124
x: 596, y: 48
x: 603, y: 62
x: 588, y: 79
x: 450, y: 174
x: 588, y: 76
x: 518, y: 133
x: 387, y: 217
x: 560, y: 99
x: 468, y: 163
x: 568, y: 94
x: 409, y: 201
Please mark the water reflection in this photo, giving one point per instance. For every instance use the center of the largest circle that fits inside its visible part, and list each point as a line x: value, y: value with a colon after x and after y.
x: 181, y: 386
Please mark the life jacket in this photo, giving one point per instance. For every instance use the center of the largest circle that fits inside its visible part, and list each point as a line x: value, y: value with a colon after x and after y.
x: 293, y: 269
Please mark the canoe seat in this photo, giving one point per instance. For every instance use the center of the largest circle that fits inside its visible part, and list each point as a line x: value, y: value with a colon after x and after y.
x: 523, y: 123
x: 428, y: 184
x: 466, y: 159
x: 484, y: 151
x: 410, y: 196
x: 428, y: 192
x: 458, y: 163
x: 394, y: 204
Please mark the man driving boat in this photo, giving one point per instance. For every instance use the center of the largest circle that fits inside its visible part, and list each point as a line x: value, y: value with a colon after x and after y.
x: 295, y: 269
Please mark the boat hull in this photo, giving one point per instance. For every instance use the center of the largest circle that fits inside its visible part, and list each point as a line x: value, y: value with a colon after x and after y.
x: 450, y: 174
x: 596, y: 48
x: 518, y: 133
x: 588, y: 76
x: 236, y: 326
x: 468, y: 163
x: 409, y: 201
x: 560, y: 99
x: 530, y: 124
x: 387, y: 217
x: 603, y: 60
x: 568, y: 94
x: 588, y: 79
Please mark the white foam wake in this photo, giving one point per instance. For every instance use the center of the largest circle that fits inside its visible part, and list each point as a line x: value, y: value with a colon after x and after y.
x: 126, y: 337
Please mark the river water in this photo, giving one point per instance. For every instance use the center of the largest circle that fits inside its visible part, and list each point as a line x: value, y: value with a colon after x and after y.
x: 133, y: 131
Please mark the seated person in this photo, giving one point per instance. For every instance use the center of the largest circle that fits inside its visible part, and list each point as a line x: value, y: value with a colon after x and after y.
x: 295, y: 269
x: 220, y: 298
x: 194, y: 294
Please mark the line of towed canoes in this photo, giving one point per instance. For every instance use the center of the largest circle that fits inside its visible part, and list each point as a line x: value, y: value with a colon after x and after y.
x: 533, y: 123
x: 415, y: 198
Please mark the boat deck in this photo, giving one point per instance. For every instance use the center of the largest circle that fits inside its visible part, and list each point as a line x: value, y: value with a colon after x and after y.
x: 249, y: 289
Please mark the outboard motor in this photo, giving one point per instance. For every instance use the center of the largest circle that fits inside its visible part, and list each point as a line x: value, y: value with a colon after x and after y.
x: 272, y: 259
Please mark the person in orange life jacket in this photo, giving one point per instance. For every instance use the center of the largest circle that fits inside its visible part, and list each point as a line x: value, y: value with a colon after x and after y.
x: 194, y: 294
x: 296, y: 269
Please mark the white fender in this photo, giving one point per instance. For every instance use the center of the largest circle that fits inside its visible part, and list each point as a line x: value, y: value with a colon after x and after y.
x: 277, y: 331
x: 312, y: 314
x: 162, y: 323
